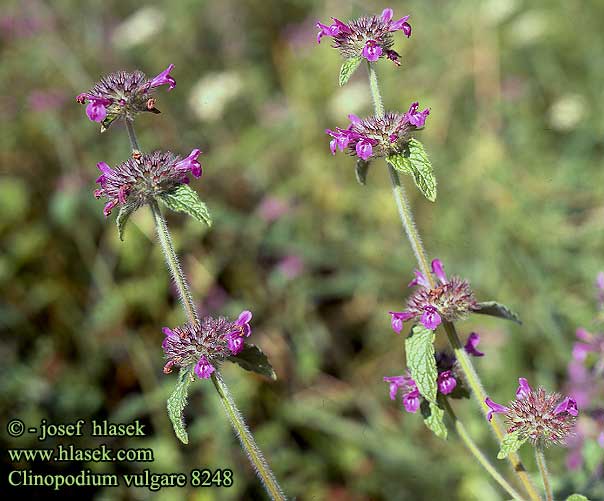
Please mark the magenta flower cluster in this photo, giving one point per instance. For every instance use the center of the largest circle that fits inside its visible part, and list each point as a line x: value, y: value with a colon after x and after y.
x: 369, y: 37
x: 541, y: 417
x: 447, y: 381
x: 124, y: 94
x: 143, y: 177
x: 450, y: 300
x: 378, y: 136
x: 206, y: 344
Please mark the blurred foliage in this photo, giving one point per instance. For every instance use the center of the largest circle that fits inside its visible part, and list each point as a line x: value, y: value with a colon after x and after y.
x: 516, y: 139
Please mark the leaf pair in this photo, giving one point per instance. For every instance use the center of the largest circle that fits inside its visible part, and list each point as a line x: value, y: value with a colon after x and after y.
x: 182, y: 199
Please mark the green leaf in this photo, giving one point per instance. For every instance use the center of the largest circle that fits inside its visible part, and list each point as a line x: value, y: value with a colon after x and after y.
x: 178, y: 401
x: 422, y: 170
x: 577, y: 497
x: 122, y: 218
x: 185, y: 199
x: 419, y: 348
x: 496, y: 309
x: 348, y: 68
x: 433, y: 419
x: 361, y: 171
x: 253, y: 359
x: 510, y: 443
x: 400, y: 163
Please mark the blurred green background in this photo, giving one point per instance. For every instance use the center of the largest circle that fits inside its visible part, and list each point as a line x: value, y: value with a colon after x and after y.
x: 516, y: 138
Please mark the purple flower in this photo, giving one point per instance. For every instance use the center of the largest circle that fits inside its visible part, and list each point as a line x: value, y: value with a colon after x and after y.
x: 524, y: 389
x: 164, y: 78
x: 471, y: 344
x: 415, y: 117
x: 203, y: 368
x: 123, y: 94
x: 272, y: 208
x: 372, y: 51
x: 241, y: 329
x: 291, y: 266
x: 377, y: 136
x: 190, y: 163
x: 206, y: 345
x: 140, y: 179
x: 430, y: 318
x: 495, y: 408
x: 446, y: 382
x: 364, y: 149
x: 538, y: 416
x: 369, y: 37
x: 398, y: 318
x: 451, y: 300
x: 410, y: 393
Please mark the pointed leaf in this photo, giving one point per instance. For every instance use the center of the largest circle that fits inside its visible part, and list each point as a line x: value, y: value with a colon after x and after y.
x: 122, y: 218
x: 253, y: 359
x: 178, y: 401
x: 495, y: 309
x: 422, y: 170
x: 433, y: 419
x: 419, y: 348
x: 185, y: 199
x: 348, y: 68
x: 577, y: 497
x: 361, y: 171
x: 400, y: 163
x: 511, y: 443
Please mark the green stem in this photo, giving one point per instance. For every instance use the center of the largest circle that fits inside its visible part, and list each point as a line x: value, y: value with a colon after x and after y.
x: 540, y: 458
x: 247, y: 440
x: 167, y: 247
x: 421, y: 256
x: 480, y: 457
x: 132, y: 136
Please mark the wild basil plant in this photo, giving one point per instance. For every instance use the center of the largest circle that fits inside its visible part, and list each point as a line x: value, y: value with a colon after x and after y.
x: 432, y: 379
x: 200, y: 346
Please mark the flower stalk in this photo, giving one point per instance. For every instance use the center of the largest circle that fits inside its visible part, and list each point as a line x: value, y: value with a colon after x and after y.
x: 541, y: 464
x: 242, y: 431
x: 413, y: 236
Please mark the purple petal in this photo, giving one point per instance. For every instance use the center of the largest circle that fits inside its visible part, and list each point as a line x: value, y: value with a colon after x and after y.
x: 419, y: 279
x: 190, y: 163
x: 96, y: 110
x: 244, y: 317
x: 342, y: 27
x: 580, y: 351
x: 372, y: 51
x: 600, y: 281
x: 235, y: 343
x: 398, y: 317
x: 446, y: 382
x: 495, y: 408
x: 584, y: 335
x: 472, y: 343
x: 411, y: 401
x: 364, y: 149
x: 109, y: 206
x: 387, y: 15
x: 430, y: 318
x: 354, y: 118
x: 396, y: 382
x: 439, y: 270
x: 524, y: 389
x: 204, y: 368
x: 402, y: 25
x: 164, y: 78
x: 567, y: 405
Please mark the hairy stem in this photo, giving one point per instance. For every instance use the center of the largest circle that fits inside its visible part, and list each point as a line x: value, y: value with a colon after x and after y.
x: 477, y: 453
x: 167, y: 248
x: 132, y: 136
x: 540, y: 458
x: 472, y: 378
x: 184, y: 292
x: 247, y: 440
